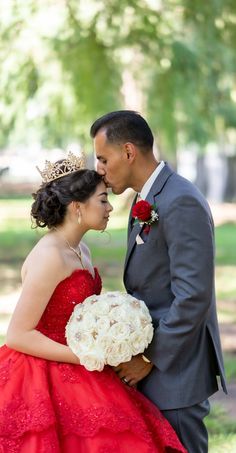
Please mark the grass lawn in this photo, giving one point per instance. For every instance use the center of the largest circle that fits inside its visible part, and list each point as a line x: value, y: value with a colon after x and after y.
x: 222, y: 432
x: 226, y: 245
x: 222, y: 443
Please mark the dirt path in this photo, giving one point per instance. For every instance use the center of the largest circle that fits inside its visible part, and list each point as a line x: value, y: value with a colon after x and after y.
x: 228, y: 338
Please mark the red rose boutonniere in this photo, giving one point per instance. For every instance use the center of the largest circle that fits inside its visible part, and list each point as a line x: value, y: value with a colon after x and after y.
x: 145, y: 214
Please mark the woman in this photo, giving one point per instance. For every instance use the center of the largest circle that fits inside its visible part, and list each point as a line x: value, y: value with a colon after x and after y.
x: 49, y: 403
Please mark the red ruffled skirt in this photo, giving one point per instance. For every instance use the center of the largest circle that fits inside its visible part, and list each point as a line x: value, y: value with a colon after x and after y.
x: 51, y: 407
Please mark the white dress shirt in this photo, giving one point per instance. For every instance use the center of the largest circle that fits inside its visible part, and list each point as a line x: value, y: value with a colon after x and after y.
x: 148, y: 184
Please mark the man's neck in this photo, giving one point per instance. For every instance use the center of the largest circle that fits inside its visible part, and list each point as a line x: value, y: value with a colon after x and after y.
x: 144, y: 174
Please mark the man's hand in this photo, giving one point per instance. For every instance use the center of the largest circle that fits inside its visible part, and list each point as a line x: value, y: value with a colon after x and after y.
x: 133, y: 371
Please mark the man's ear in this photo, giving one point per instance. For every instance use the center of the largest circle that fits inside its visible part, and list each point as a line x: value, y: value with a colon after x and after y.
x: 130, y: 151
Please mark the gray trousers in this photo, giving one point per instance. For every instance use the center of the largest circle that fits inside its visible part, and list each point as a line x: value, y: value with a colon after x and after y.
x: 189, y: 426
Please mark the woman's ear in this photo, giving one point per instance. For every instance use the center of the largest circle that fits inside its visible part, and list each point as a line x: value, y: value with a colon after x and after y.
x: 75, y: 206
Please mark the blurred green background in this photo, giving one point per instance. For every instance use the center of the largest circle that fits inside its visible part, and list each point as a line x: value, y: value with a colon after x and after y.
x: 64, y: 63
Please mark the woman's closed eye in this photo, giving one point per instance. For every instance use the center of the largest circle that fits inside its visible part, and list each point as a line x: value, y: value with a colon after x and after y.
x: 103, y: 197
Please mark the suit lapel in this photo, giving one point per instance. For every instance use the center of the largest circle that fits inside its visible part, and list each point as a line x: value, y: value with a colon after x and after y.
x: 130, y: 221
x: 160, y: 181
x: 132, y: 240
x: 156, y: 188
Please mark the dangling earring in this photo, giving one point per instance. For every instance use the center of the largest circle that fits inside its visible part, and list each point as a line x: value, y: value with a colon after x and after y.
x: 79, y: 218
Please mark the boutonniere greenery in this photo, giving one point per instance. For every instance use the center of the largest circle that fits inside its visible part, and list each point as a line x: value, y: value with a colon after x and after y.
x: 145, y: 214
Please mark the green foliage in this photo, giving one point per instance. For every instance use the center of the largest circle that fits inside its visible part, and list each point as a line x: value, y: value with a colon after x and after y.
x: 62, y: 65
x: 52, y: 90
x: 95, y: 86
x: 219, y: 422
x: 222, y: 443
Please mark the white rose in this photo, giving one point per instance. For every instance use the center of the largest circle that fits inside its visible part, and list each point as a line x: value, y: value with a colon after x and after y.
x: 75, y: 325
x: 115, y: 296
x: 91, y: 300
x: 89, y: 321
x: 119, y: 331
x: 79, y: 311
x: 137, y: 342
x: 142, y: 306
x: 143, y: 321
x: 71, y: 329
x: 105, y: 343
x: 82, y: 341
x: 119, y: 313
x: 148, y: 333
x: 100, y: 308
x: 103, y: 324
x: 93, y: 361
x: 135, y: 321
x: 135, y: 304
x: 119, y: 352
x: 88, y: 303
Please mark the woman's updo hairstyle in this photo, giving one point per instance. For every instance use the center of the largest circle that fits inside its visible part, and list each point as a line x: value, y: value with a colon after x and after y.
x: 52, y: 198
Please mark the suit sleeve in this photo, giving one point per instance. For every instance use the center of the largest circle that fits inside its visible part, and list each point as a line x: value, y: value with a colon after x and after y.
x: 189, y: 235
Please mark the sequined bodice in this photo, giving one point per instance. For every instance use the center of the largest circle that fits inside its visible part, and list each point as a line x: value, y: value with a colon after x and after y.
x: 69, y: 292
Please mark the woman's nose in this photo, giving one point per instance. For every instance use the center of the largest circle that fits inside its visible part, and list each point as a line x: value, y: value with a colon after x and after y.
x: 110, y: 207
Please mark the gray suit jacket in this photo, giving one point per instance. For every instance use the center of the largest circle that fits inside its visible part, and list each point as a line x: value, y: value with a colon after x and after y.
x: 173, y: 272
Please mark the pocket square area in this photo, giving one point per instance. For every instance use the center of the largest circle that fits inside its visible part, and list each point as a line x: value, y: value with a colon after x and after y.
x: 139, y: 240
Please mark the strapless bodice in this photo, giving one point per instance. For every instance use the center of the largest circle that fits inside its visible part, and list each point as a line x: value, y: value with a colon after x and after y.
x: 68, y: 293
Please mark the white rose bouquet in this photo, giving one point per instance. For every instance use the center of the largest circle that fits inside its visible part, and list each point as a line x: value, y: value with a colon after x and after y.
x: 109, y: 329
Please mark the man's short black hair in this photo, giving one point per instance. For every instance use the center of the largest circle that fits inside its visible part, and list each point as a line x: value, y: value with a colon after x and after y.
x: 125, y: 126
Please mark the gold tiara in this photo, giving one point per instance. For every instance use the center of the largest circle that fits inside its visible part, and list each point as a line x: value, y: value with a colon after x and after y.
x: 56, y: 170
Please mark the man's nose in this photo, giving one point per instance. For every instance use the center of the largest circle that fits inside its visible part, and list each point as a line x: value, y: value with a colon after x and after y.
x: 100, y: 168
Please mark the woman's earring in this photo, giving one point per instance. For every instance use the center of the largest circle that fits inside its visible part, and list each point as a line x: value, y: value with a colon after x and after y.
x: 79, y: 218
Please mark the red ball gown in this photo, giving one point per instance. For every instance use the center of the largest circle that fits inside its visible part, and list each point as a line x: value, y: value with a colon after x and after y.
x: 52, y: 407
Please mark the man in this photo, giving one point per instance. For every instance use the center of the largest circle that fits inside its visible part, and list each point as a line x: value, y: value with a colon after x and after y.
x: 171, y: 268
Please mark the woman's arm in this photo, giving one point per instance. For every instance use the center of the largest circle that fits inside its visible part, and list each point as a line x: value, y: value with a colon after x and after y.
x: 45, y: 270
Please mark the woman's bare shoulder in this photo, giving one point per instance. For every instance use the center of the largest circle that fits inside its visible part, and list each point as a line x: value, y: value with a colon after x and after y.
x: 45, y: 257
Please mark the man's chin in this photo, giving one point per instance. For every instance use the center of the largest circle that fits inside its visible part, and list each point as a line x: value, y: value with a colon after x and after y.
x: 117, y: 191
